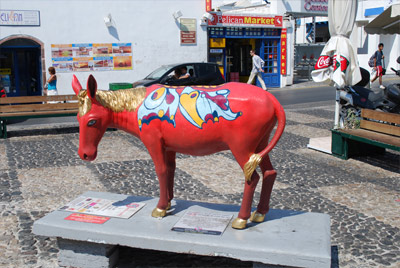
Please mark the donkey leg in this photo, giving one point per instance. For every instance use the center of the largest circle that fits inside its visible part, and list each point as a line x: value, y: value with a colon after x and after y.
x: 158, y: 154
x: 269, y: 175
x: 249, y: 188
x: 171, y: 165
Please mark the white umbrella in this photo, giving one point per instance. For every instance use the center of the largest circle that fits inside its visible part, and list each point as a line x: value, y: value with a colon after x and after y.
x: 338, y: 60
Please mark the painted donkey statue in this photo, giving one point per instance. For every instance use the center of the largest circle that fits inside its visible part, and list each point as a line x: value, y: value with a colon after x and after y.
x: 199, y: 120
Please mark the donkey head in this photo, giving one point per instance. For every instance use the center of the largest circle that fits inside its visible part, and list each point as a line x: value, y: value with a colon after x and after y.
x: 93, y: 118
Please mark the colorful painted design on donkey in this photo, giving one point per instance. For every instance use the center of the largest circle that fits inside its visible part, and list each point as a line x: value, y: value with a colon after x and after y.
x: 197, y: 106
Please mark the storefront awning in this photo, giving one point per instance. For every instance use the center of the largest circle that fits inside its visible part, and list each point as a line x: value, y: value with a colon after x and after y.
x: 388, y: 22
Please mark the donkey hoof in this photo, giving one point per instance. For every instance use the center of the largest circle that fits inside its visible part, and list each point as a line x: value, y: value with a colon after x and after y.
x: 239, y: 223
x: 159, y: 213
x: 257, y: 217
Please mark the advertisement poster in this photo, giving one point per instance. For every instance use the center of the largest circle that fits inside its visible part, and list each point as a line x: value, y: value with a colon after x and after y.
x: 202, y: 223
x: 102, y: 207
x: 91, y: 57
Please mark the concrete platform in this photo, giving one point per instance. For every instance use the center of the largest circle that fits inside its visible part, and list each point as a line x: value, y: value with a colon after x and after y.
x: 285, y: 238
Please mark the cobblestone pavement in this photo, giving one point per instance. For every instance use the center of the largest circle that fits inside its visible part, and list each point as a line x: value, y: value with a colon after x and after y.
x: 40, y: 170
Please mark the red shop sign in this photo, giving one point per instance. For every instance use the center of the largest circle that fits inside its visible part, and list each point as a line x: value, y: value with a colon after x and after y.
x: 228, y: 20
x: 283, y: 51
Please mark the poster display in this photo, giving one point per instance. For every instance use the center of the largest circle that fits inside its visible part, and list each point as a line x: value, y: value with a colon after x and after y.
x: 102, y: 207
x: 91, y: 57
x: 202, y: 223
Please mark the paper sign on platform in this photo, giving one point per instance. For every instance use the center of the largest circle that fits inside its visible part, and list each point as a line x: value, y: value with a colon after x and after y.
x: 102, y: 207
x: 87, y: 218
x: 203, y: 223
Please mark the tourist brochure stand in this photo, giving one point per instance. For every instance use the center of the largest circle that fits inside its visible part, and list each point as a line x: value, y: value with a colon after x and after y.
x: 203, y: 223
x: 102, y: 207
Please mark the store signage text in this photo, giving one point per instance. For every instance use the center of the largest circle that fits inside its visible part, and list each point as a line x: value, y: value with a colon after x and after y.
x: 283, y: 51
x: 316, y: 5
x: 226, y: 20
x: 19, y: 18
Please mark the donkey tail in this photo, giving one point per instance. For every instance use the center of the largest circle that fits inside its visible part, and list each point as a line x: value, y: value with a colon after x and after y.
x: 255, y: 159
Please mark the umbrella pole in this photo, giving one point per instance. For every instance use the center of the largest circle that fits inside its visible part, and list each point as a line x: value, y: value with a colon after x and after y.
x: 337, y: 109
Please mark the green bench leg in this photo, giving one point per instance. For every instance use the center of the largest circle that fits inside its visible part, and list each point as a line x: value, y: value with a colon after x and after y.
x: 345, y: 148
x: 3, y: 129
x: 340, y: 147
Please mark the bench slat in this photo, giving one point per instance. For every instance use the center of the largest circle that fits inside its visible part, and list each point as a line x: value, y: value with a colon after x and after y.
x: 375, y: 136
x: 30, y: 99
x: 66, y: 112
x: 37, y: 107
x: 382, y: 116
x: 380, y: 127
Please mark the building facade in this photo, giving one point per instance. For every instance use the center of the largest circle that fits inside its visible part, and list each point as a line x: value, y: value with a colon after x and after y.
x: 124, y: 41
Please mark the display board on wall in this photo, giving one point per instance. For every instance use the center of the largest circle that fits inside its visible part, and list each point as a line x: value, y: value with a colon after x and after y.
x: 91, y: 57
x: 19, y: 18
x: 188, y: 31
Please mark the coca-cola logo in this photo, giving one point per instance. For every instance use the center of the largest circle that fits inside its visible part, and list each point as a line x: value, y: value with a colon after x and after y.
x: 343, y: 64
x: 323, y: 62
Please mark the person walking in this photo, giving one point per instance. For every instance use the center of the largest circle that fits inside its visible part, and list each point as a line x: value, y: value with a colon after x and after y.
x: 378, y: 60
x: 258, y: 65
x: 51, y: 83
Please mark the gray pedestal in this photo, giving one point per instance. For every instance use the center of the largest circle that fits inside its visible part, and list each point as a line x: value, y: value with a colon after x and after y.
x: 86, y: 254
x: 285, y: 238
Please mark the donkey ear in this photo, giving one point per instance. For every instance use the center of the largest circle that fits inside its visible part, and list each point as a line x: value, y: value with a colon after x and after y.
x: 92, y: 87
x: 76, y: 86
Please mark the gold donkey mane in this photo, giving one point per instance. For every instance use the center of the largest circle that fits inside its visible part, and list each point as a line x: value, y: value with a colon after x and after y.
x: 116, y: 101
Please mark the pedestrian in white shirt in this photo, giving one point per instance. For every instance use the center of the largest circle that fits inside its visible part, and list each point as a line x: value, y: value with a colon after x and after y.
x: 258, y: 65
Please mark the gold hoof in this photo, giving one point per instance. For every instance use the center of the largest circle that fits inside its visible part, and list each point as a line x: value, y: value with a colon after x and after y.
x: 169, y: 206
x: 159, y: 213
x: 257, y: 217
x: 239, y: 223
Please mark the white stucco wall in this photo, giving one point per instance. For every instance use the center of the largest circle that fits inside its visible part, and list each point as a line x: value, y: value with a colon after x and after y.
x: 148, y: 25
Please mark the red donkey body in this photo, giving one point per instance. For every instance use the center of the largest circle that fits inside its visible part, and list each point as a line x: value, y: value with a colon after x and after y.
x: 189, y: 120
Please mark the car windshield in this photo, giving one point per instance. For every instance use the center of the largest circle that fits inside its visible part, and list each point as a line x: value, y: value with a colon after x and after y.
x: 158, y: 72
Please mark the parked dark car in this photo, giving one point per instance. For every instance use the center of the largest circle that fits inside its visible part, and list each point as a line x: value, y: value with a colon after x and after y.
x: 200, y: 74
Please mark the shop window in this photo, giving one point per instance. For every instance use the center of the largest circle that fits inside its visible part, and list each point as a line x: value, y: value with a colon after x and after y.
x: 271, y: 56
x: 271, y: 32
x: 252, y: 32
x: 233, y: 31
x: 216, y: 32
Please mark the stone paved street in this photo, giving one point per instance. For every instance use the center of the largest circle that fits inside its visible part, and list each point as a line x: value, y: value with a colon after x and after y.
x: 40, y: 171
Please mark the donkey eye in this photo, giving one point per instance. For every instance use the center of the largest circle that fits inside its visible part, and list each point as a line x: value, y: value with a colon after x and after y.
x: 91, y: 123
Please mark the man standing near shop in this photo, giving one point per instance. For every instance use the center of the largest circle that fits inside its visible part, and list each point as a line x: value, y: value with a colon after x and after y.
x: 258, y: 65
x: 378, y: 59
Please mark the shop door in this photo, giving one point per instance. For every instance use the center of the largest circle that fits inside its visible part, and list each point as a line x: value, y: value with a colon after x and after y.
x: 20, y: 71
x: 270, y: 53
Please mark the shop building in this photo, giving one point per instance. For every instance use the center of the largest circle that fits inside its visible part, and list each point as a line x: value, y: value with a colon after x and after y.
x: 233, y: 34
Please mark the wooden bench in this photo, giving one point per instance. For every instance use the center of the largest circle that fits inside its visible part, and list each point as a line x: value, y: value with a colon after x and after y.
x: 35, y: 107
x: 378, y: 131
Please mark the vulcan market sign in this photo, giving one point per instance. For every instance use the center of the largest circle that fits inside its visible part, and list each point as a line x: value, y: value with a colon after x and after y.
x: 219, y: 19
